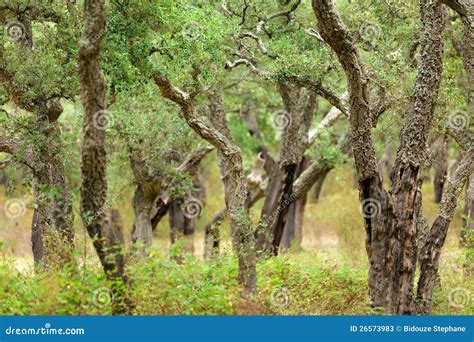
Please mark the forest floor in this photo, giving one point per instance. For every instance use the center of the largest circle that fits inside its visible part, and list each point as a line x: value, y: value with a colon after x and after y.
x: 326, y: 275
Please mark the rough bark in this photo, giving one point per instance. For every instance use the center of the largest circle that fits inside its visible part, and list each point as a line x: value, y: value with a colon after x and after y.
x: 52, y: 231
x: 467, y: 231
x: 390, y: 218
x: 429, y: 260
x: 147, y: 190
x: 299, y: 107
x: 93, y: 152
x: 465, y: 9
x: 234, y: 181
x: 52, y: 227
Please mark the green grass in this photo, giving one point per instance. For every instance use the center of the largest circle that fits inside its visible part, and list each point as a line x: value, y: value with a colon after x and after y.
x: 291, y: 284
x: 326, y: 276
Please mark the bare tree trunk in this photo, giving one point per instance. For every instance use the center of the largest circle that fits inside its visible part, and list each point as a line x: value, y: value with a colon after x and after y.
x: 183, y: 215
x: 318, y: 186
x: 441, y: 170
x: 299, y: 109
x: 93, y: 152
x: 143, y: 201
x: 182, y: 229
x: 293, y: 231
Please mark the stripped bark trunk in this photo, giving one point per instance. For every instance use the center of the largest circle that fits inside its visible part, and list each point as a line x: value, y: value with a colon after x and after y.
x: 318, y: 187
x: 441, y: 170
x: 390, y: 218
x: 183, y: 215
x: 293, y: 231
x: 147, y: 190
x: 190, y: 166
x: 299, y: 107
x: 181, y: 230
x: 142, y: 231
x: 94, y: 156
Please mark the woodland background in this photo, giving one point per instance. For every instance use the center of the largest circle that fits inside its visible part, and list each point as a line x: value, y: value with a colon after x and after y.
x: 230, y: 157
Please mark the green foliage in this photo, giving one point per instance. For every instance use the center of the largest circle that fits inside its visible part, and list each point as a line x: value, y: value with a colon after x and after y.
x: 295, y: 284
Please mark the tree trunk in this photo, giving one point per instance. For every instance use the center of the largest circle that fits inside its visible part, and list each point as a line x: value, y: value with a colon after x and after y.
x: 467, y: 232
x: 293, y: 231
x: 52, y: 226
x: 142, y: 231
x: 441, y: 170
x: 431, y: 252
x: 299, y: 109
x: 93, y: 152
x: 230, y: 158
x: 235, y: 194
x: 182, y: 227
x: 390, y: 218
x: 318, y: 187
